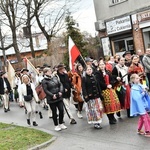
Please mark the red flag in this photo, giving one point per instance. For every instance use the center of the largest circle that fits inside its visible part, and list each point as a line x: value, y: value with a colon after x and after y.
x: 73, y: 54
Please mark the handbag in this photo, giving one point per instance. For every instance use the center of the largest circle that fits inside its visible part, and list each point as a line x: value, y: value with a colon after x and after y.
x: 40, y: 92
x: 28, y: 98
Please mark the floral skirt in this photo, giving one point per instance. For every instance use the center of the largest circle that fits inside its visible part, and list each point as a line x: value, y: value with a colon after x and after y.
x: 111, y: 102
x: 94, y: 111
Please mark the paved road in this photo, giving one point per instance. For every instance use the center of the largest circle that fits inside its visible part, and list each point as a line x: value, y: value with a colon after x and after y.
x: 82, y: 136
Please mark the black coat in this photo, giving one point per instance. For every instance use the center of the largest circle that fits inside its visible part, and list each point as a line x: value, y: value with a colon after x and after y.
x: 90, y: 88
x: 52, y: 86
x: 101, y: 81
x: 64, y: 79
x: 2, y: 85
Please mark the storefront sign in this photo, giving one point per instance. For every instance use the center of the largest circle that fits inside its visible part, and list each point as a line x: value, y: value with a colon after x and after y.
x: 118, y: 25
x: 143, y: 16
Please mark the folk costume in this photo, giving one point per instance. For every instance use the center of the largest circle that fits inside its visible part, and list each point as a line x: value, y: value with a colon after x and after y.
x: 111, y: 102
x: 138, y: 69
x: 92, y: 97
x: 122, y: 87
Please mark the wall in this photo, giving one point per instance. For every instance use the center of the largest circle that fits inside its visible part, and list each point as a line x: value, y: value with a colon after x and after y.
x: 104, y: 11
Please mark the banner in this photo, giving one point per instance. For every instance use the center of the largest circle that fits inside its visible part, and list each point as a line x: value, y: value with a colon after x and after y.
x: 32, y: 71
x: 11, y: 74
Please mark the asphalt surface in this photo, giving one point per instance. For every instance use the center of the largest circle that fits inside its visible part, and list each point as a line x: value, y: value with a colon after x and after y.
x: 82, y: 136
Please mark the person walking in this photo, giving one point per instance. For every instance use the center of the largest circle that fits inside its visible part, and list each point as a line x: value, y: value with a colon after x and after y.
x: 5, y: 89
x: 53, y: 89
x: 28, y: 96
x: 64, y: 79
x: 77, y: 89
x: 111, y: 102
x: 122, y: 87
x: 92, y: 94
x: 140, y: 104
x: 146, y: 64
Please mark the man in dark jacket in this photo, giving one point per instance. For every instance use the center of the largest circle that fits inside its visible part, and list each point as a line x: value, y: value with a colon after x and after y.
x: 127, y: 55
x: 5, y: 89
x: 64, y: 79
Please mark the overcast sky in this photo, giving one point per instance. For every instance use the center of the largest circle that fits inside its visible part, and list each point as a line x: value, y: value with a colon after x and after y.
x: 85, y: 16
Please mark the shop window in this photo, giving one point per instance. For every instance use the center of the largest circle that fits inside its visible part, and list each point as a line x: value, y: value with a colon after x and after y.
x: 119, y: 46
x: 124, y: 45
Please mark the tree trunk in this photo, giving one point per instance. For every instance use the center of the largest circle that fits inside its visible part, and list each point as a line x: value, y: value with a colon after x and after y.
x: 31, y: 43
x: 18, y: 55
x: 49, y: 48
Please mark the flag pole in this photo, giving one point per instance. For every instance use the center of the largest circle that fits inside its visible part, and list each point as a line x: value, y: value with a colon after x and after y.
x: 83, y: 60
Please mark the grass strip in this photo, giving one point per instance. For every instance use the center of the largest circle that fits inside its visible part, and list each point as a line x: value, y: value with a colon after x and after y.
x: 14, y: 137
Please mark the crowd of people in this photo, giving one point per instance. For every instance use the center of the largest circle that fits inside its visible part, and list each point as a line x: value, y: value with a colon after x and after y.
x: 104, y: 86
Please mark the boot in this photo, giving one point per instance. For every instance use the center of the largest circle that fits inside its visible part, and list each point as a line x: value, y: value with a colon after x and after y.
x: 111, y: 119
x: 28, y: 121
x: 118, y: 114
x: 5, y: 110
x: 34, y: 123
x: 40, y: 113
x: 128, y: 114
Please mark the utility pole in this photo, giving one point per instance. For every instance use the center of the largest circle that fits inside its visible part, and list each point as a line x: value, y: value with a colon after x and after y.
x: 2, y: 45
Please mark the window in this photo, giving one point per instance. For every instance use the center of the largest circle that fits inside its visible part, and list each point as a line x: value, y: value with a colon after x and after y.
x: 124, y: 45
x: 114, y: 2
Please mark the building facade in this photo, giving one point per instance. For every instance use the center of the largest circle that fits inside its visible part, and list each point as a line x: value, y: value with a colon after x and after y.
x: 123, y: 25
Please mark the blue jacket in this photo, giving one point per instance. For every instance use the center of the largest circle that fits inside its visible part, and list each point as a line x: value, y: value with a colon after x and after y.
x: 140, y: 100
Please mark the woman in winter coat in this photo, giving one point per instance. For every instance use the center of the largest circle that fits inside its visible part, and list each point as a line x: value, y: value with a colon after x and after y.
x: 53, y: 89
x: 77, y: 93
x: 28, y: 96
x: 92, y: 94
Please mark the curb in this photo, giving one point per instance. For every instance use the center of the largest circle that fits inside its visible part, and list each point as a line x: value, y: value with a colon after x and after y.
x: 43, y: 145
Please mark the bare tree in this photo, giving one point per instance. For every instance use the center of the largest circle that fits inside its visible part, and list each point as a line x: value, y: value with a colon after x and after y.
x: 50, y: 17
x: 9, y: 10
x: 29, y: 17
